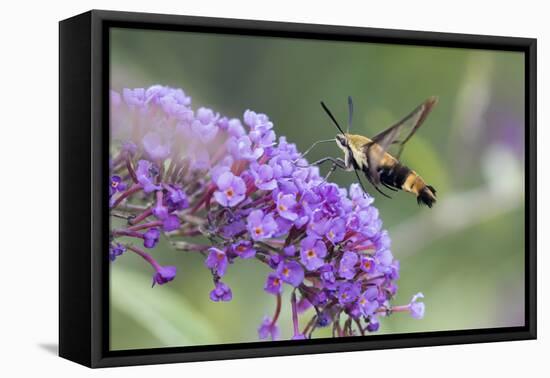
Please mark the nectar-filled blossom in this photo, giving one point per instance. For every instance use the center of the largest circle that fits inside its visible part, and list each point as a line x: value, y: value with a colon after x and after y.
x: 231, y: 189
x: 291, y: 272
x: 313, y: 251
x: 181, y: 174
x: 217, y: 261
x: 274, y: 284
x: 261, y: 225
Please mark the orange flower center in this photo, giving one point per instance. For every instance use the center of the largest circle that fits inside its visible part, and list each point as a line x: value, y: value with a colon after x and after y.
x: 310, y: 253
x: 258, y: 230
x: 229, y: 193
x: 286, y: 271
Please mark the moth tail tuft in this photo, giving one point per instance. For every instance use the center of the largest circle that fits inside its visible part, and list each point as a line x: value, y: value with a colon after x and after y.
x: 427, y: 196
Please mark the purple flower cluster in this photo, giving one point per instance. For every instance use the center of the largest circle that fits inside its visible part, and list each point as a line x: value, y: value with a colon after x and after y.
x: 180, y: 173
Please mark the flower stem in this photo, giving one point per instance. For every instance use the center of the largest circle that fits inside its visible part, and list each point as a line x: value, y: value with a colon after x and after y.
x: 189, y: 247
x: 294, y: 314
x: 402, y: 308
x: 133, y: 234
x: 141, y: 216
x: 133, y: 189
x: 360, y: 327
x: 160, y: 195
x: 147, y: 257
x: 204, y: 199
x: 145, y: 225
x: 130, y: 169
x: 170, y: 169
x: 310, y: 326
x: 277, y: 310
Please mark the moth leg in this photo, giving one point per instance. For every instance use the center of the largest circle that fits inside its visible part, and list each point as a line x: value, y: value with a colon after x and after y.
x: 315, y: 144
x: 360, y: 182
x: 369, y: 178
x: 331, y: 171
x: 389, y: 187
x: 338, y: 162
x: 373, y: 176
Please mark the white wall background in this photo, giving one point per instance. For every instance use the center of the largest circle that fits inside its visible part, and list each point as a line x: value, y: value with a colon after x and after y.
x: 29, y: 189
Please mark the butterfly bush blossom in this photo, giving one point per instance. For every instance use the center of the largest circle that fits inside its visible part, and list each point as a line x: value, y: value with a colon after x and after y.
x: 228, y: 189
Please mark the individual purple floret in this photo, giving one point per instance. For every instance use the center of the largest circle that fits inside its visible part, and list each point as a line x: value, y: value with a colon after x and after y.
x: 268, y: 329
x: 231, y: 189
x: 336, y: 230
x: 243, y: 249
x: 221, y: 292
x: 417, y: 308
x: 312, y: 252
x: 228, y: 189
x: 263, y: 176
x: 146, y: 174
x: 151, y: 238
x: 164, y: 274
x: 367, y: 264
x: 176, y: 198
x: 291, y: 272
x: 347, y: 268
x: 273, y: 284
x: 367, y: 301
x: 348, y: 292
x: 117, y: 185
x: 261, y: 226
x: 373, y: 324
x: 217, y: 261
x: 116, y: 250
x: 171, y: 223
x: 286, y: 206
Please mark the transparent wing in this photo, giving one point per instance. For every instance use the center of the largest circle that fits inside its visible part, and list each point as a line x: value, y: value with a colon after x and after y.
x: 396, y: 135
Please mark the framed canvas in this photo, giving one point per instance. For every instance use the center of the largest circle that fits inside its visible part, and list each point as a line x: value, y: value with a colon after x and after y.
x: 234, y: 188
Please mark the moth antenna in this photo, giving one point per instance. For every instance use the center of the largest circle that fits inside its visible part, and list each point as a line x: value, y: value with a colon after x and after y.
x: 332, y: 117
x: 350, y: 112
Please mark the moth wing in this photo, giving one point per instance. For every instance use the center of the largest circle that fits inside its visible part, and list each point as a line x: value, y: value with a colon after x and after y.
x: 401, y: 132
x: 372, y: 164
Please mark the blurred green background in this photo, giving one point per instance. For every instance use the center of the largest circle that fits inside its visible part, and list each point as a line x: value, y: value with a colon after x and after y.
x: 466, y: 254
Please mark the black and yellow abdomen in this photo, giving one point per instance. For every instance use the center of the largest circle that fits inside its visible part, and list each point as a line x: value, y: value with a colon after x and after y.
x: 399, y: 176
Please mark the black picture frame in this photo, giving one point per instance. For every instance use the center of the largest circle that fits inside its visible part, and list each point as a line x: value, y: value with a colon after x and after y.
x: 84, y: 137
